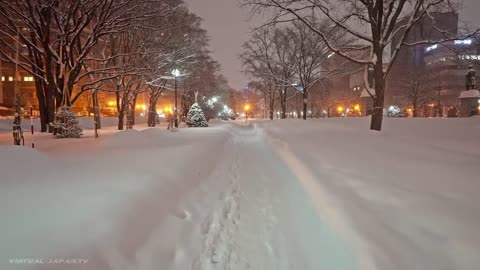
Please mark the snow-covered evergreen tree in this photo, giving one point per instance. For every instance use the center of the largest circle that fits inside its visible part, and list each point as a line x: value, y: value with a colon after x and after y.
x: 66, y: 123
x: 195, y: 117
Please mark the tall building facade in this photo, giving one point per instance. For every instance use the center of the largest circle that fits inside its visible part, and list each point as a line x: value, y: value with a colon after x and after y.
x: 447, y: 64
x: 15, y: 79
x: 22, y: 81
x: 413, y: 58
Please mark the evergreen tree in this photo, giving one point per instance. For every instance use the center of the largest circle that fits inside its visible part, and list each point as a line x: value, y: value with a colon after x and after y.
x: 66, y: 123
x: 195, y: 117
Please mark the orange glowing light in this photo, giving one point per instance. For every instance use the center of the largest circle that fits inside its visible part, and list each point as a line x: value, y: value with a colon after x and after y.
x: 247, y: 107
x: 141, y: 106
x: 356, y: 107
x: 339, y: 109
x: 168, y: 109
x: 111, y: 103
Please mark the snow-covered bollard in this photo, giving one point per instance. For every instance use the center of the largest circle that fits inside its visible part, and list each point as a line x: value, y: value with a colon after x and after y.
x: 469, y: 103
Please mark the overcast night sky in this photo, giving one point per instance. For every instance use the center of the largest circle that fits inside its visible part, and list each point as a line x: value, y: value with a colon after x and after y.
x: 228, y: 27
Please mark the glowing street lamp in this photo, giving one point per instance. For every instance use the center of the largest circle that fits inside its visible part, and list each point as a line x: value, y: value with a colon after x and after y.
x: 247, y: 108
x: 176, y: 73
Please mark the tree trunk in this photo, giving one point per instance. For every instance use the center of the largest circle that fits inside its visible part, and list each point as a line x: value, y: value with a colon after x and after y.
x: 39, y: 85
x: 271, y: 106
x: 134, y: 105
x: 379, y: 100
x: 266, y: 104
x: 42, y: 105
x: 121, y: 116
x: 50, y: 99
x: 305, y: 104
x: 414, y: 108
x: 96, y: 111
x: 122, y: 106
x: 283, y: 103
x: 152, y: 113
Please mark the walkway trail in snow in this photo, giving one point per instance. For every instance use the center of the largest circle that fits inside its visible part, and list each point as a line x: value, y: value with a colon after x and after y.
x: 224, y: 200
x: 264, y: 220
x: 261, y: 195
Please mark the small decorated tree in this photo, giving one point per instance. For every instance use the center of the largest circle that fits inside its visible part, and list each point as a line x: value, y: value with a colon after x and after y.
x: 18, y: 138
x: 66, y: 123
x: 195, y: 117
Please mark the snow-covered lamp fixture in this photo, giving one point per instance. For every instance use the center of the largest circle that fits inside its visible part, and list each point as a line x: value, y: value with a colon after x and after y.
x: 176, y: 72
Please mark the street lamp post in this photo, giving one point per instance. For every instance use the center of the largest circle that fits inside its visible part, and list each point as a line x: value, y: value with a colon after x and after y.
x: 175, y: 74
x: 247, y: 108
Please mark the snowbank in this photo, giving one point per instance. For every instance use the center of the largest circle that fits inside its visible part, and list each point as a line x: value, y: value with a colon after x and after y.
x: 101, y: 199
x: 470, y: 94
x: 286, y: 194
x: 409, y: 193
x: 84, y: 123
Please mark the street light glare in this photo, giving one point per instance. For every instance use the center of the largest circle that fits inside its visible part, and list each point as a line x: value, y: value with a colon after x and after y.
x: 176, y: 72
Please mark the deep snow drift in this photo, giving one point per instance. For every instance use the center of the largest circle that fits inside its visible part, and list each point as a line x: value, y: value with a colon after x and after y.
x: 320, y: 194
x: 410, y: 193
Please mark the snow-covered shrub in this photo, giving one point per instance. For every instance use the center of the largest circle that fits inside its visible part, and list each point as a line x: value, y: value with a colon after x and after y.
x: 66, y: 123
x: 195, y: 117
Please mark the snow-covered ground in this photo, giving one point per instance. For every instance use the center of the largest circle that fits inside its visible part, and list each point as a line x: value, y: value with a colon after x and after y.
x: 409, y: 193
x: 43, y: 141
x: 316, y: 194
x: 84, y: 122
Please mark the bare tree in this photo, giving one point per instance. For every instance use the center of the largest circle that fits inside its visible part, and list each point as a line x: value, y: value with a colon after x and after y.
x: 373, y: 23
x: 311, y: 55
x: 202, y: 81
x: 418, y: 88
x: 268, y: 57
x: 59, y: 36
x: 268, y: 92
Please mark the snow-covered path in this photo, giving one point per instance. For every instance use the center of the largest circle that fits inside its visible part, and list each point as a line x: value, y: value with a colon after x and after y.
x: 290, y: 194
x: 264, y: 219
x: 212, y: 199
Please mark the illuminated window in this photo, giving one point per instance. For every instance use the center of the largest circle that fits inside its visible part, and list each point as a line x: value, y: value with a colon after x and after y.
x: 10, y: 78
x: 468, y: 57
x: 28, y: 79
x: 463, y: 42
x: 3, y: 78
